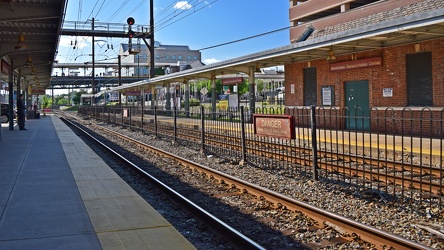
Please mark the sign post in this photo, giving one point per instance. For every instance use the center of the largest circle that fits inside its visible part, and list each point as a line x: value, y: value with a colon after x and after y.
x: 276, y: 126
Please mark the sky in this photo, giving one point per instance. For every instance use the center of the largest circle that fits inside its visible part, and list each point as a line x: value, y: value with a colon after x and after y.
x: 195, y: 23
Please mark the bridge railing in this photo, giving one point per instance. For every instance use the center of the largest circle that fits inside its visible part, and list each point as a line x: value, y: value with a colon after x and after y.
x: 109, y: 27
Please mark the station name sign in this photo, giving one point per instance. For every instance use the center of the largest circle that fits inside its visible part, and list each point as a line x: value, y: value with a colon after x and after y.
x: 5, y: 67
x: 135, y: 92
x: 232, y: 80
x: 132, y: 92
x: 357, y: 64
x: 38, y: 92
x: 276, y: 126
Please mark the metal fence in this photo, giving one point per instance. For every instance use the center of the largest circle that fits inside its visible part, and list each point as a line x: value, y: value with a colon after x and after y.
x: 393, y: 154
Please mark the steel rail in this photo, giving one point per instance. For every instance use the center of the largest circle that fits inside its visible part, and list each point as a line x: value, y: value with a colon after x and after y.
x: 362, y: 159
x: 236, y: 239
x: 405, y: 182
x: 423, y: 185
x: 381, y: 239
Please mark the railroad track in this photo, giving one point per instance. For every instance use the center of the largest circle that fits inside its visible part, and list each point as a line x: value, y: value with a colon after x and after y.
x: 348, y: 229
x: 404, y: 175
x: 237, y: 239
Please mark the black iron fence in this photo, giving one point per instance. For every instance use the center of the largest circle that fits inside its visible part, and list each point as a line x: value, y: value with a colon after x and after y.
x: 393, y: 153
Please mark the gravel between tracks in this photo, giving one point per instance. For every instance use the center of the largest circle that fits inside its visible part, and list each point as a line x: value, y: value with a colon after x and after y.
x: 411, y: 222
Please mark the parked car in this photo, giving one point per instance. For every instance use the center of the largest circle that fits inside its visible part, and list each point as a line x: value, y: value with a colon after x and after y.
x: 5, y: 113
x: 280, y: 89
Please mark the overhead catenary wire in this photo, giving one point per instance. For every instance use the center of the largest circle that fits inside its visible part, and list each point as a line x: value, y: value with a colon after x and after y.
x: 118, y: 10
x: 165, y: 9
x: 167, y: 16
x: 246, y: 38
x: 100, y: 8
x: 79, y: 13
x: 168, y: 22
x: 135, y: 8
x: 175, y: 8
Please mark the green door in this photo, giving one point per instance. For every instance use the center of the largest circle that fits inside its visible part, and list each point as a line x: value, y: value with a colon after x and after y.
x: 358, y: 106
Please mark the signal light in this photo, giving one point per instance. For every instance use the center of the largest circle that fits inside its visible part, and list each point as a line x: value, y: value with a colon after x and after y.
x: 130, y: 21
x: 131, y: 33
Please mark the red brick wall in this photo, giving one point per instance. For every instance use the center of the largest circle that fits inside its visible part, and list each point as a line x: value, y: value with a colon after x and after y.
x: 421, y: 122
x: 437, y: 48
x: 392, y: 74
x: 406, y: 121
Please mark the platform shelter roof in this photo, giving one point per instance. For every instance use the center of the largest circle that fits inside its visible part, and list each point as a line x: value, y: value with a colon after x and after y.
x: 29, y: 37
x: 374, y: 33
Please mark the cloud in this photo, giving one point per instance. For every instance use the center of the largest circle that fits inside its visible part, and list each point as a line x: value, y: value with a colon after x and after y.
x: 183, y: 5
x: 67, y: 41
x: 211, y: 60
x: 206, y: 3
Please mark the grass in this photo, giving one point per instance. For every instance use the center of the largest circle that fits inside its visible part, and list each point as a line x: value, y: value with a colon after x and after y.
x: 72, y: 108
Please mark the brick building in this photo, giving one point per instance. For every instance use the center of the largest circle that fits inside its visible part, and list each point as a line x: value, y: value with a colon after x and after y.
x: 375, y: 73
x: 168, y: 58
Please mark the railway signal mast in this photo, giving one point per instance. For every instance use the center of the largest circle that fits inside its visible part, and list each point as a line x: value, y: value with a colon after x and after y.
x: 146, y: 32
x: 130, y: 21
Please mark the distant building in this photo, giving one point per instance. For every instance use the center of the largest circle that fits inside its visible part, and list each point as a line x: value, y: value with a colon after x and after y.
x: 167, y: 58
x: 375, y: 54
x: 402, y: 71
x: 322, y: 14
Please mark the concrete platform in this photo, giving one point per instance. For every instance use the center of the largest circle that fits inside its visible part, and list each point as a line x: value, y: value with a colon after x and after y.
x: 56, y: 193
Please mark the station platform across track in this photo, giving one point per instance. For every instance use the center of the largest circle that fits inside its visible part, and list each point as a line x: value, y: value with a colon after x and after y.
x: 56, y: 193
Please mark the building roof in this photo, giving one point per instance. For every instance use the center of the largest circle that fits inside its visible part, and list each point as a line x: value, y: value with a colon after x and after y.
x: 382, y: 17
x: 422, y: 24
x: 173, y: 47
x: 196, y: 64
x: 40, y: 22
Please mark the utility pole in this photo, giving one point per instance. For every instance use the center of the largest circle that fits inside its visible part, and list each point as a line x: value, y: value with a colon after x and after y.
x: 119, y: 60
x: 93, y: 62
x: 120, y: 34
x: 152, y: 72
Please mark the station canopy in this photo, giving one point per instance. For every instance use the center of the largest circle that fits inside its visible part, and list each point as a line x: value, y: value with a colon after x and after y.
x: 30, y: 31
x: 354, y: 38
x: 29, y: 36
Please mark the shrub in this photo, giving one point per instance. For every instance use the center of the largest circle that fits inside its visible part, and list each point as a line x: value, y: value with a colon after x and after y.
x: 193, y: 103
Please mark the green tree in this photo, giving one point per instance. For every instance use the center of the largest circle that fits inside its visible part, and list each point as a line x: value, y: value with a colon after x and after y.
x: 260, y: 85
x: 76, y: 98
x: 203, y: 84
x: 58, y: 98
x: 46, y: 101
x: 243, y: 87
x: 63, y: 102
